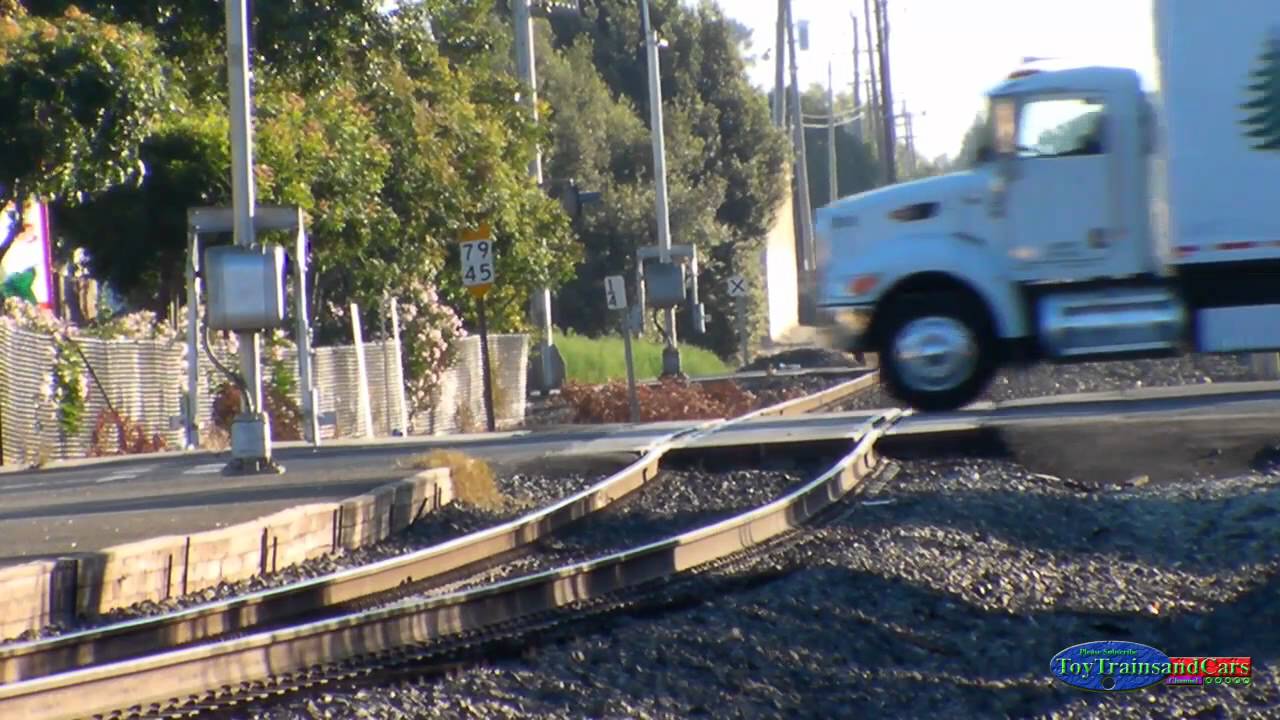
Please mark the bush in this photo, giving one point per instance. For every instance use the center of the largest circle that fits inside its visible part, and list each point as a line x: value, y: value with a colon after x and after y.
x: 670, y: 399
x: 127, y: 436
x: 473, y: 480
x: 286, y: 416
x: 602, y: 359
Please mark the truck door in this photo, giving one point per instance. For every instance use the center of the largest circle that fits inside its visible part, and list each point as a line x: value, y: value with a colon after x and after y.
x: 1059, y: 197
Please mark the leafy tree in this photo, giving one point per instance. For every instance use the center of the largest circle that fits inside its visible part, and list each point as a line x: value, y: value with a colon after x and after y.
x: 80, y: 96
x: 725, y: 160
x: 977, y: 137
x: 857, y: 169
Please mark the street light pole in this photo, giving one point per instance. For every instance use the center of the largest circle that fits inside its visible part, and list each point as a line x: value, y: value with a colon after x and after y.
x: 541, y: 301
x: 670, y: 354
x: 242, y: 190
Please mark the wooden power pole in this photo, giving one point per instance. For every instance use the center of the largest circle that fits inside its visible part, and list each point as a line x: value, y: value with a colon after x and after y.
x: 873, y: 114
x: 886, y: 93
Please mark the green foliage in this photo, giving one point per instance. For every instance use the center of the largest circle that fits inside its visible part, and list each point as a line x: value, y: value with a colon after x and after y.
x: 594, y: 360
x: 976, y: 137
x: 725, y: 161
x: 79, y: 96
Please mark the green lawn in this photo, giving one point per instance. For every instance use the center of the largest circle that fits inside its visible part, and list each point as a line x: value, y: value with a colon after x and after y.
x: 597, y: 360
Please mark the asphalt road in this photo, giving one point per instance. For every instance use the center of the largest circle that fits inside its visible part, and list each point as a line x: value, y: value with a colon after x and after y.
x: 92, y: 505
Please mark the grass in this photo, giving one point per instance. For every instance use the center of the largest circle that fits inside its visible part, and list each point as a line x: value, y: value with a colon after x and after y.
x: 473, y: 481
x: 599, y: 360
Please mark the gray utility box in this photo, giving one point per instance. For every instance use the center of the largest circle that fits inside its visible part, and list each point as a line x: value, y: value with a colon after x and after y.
x: 246, y: 287
x: 664, y: 285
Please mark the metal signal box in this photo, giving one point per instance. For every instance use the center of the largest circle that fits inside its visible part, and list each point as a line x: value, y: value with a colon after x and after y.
x: 245, y: 288
x: 664, y: 284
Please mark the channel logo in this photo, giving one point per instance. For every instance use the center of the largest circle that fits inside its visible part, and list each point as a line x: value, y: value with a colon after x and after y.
x: 1121, y: 666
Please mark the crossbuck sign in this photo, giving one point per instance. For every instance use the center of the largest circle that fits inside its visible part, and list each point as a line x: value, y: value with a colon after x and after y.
x: 737, y: 286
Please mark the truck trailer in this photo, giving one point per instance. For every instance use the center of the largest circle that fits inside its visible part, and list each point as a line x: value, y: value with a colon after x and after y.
x: 1100, y: 221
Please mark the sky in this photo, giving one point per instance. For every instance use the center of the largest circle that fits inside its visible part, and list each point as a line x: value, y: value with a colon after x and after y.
x: 944, y: 54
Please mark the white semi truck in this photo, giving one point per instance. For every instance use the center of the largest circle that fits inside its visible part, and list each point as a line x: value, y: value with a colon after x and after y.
x: 1100, y: 222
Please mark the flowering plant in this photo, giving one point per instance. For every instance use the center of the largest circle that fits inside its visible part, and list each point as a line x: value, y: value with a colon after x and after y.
x: 430, y: 333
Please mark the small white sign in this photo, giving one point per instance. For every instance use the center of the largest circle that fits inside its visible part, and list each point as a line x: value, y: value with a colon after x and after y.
x: 477, y: 263
x: 615, y: 292
x: 737, y: 286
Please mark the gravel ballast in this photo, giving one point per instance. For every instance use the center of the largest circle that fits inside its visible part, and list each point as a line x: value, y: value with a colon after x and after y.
x: 676, y: 501
x: 1043, y: 380
x: 943, y: 594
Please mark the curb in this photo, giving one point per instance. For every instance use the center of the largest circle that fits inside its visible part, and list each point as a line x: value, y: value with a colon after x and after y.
x: 38, y: 594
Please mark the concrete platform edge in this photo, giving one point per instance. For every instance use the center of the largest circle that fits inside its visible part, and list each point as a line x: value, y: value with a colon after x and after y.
x: 37, y: 594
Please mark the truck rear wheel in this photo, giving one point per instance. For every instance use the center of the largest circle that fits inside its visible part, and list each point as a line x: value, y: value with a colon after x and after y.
x: 937, y: 350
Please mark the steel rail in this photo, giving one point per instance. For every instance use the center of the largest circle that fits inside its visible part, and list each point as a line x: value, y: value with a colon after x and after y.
x: 170, y: 680
x: 120, y: 641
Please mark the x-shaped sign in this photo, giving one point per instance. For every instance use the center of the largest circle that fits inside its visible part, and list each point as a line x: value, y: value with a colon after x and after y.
x: 737, y: 286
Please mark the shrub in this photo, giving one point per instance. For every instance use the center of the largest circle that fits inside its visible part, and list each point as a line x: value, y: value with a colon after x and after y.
x: 286, y: 416
x: 117, y: 434
x: 473, y: 479
x: 669, y: 399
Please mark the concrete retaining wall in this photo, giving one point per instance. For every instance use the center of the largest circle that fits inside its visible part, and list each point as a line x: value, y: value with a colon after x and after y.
x: 58, y: 591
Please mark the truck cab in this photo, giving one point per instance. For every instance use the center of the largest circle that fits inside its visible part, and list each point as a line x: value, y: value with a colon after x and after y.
x: 1100, y: 222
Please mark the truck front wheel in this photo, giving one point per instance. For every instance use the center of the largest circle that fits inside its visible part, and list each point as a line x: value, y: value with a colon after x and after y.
x: 937, y: 351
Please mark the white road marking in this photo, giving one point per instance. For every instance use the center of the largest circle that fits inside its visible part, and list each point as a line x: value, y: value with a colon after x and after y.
x: 126, y: 474
x: 206, y: 469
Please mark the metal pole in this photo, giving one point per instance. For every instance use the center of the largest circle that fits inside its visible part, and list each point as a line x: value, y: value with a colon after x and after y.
x: 671, y: 354
x: 386, y: 366
x: 485, y: 370
x: 886, y: 94
x: 403, y: 415
x: 833, y: 187
x: 632, y: 400
x: 242, y: 191
x: 527, y: 70
x: 857, y: 78
x: 306, y: 376
x: 780, y: 78
x: 193, y: 340
x: 802, y: 171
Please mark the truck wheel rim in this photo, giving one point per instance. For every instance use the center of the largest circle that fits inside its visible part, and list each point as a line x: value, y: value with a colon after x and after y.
x: 935, y: 354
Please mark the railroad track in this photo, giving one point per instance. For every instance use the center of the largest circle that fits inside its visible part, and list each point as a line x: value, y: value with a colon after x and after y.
x: 22, y: 666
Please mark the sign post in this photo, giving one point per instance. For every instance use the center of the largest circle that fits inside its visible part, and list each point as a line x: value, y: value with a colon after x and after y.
x: 477, y: 276
x: 615, y: 295
x: 738, y: 291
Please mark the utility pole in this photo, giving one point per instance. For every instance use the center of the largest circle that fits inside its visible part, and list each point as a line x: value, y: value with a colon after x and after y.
x: 857, y: 79
x: 242, y: 190
x: 802, y: 171
x: 526, y: 68
x: 671, y: 353
x: 833, y: 186
x: 886, y: 92
x: 873, y: 117
x: 910, y: 139
x: 780, y: 78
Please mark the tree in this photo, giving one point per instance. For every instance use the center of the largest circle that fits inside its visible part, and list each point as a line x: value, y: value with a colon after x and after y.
x: 975, y: 138
x: 392, y: 130
x: 857, y: 168
x: 725, y: 160
x: 80, y: 96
